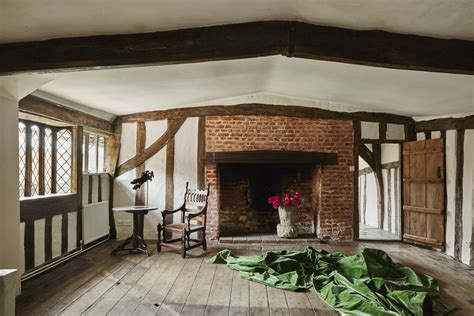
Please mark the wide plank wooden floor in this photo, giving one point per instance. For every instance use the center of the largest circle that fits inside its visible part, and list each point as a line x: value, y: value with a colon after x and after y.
x: 97, y: 283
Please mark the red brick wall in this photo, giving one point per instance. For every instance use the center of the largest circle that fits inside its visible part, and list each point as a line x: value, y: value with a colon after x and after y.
x: 245, y: 133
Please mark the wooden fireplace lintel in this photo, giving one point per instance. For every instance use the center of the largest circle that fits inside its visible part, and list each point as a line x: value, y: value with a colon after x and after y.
x: 272, y: 157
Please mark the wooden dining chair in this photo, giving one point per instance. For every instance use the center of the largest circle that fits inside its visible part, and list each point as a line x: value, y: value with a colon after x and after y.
x: 193, y: 220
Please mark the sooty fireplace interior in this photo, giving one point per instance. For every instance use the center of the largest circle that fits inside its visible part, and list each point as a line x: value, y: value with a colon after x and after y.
x: 247, y: 179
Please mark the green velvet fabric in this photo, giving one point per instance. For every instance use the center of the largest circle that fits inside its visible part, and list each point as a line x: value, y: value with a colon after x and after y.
x: 367, y: 283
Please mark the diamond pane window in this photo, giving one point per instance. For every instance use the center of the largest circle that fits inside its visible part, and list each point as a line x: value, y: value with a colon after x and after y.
x: 92, y: 154
x: 48, y: 159
x: 35, y: 163
x: 22, y: 156
x: 64, y: 161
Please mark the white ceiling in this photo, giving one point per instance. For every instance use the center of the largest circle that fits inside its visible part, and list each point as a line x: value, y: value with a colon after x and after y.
x: 274, y: 80
x: 23, y: 20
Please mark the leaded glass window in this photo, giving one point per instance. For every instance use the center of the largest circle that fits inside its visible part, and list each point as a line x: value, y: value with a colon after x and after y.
x: 45, y: 159
x: 48, y: 160
x: 64, y: 161
x: 35, y: 159
x: 22, y: 156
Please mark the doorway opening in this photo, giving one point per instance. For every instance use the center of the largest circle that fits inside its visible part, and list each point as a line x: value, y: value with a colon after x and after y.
x: 380, y: 192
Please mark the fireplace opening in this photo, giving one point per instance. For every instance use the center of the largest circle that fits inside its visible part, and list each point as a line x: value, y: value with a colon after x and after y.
x: 243, y: 193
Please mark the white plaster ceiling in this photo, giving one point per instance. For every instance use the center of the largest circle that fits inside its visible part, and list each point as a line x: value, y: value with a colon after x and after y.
x: 273, y: 80
x: 24, y: 20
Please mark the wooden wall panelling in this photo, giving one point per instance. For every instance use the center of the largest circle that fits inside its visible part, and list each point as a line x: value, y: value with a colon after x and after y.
x: 355, y: 180
x: 173, y: 127
x: 201, y: 152
x: 458, y: 215
x: 243, y: 40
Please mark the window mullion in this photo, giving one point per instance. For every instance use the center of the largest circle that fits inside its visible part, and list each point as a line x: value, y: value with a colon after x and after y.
x: 28, y: 159
x: 86, y: 153
x: 41, y: 161
x: 54, y: 153
x: 97, y: 153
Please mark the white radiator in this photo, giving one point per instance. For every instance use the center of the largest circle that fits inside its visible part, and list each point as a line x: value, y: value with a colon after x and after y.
x: 95, y: 221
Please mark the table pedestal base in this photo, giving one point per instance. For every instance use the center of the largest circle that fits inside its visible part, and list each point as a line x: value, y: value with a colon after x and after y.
x: 139, y: 245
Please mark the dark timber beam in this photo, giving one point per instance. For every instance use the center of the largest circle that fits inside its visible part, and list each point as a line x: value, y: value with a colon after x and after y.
x: 444, y: 124
x: 41, y: 107
x: 233, y: 41
x: 263, y: 109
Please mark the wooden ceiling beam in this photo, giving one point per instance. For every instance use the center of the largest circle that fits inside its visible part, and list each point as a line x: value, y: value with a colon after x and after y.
x: 37, y: 106
x: 234, y: 41
x: 263, y: 109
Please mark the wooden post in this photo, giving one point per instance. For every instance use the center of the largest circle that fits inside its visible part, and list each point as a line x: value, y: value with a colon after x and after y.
x: 140, y: 148
x: 355, y: 180
x: 458, y: 215
x: 28, y: 159
x: 201, y: 153
x: 377, y: 154
x: 77, y: 177
x: 41, y: 149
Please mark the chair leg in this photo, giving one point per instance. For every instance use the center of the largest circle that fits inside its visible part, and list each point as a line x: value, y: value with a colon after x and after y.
x: 183, y: 244
x: 204, y: 242
x: 158, y: 244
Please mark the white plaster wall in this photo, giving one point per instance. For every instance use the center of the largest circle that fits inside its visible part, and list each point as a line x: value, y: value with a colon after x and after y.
x: 39, y: 241
x: 435, y: 135
x: 371, y: 213
x: 10, y: 253
x: 128, y: 142
x: 390, y: 153
x: 123, y: 193
x: 369, y: 130
x: 420, y: 136
x: 185, y: 160
x: 395, y: 131
x: 467, y: 195
x: 157, y: 191
x: 71, y: 231
x: 56, y: 230
x: 450, y: 188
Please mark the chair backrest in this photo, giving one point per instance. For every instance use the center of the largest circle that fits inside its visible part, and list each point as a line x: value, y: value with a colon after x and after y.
x: 195, y: 200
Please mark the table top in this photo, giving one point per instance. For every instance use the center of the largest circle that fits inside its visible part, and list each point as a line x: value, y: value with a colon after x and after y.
x: 133, y: 208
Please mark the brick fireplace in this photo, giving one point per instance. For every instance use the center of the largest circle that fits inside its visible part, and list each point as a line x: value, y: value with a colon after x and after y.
x: 239, y: 191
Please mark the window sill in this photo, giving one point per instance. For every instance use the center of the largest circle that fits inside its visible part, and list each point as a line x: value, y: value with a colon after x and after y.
x: 46, y: 196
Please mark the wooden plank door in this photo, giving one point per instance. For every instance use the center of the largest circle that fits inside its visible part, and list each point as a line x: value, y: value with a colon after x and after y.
x: 424, y: 193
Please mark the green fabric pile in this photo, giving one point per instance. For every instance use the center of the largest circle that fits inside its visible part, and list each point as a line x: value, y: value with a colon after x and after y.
x: 367, y: 283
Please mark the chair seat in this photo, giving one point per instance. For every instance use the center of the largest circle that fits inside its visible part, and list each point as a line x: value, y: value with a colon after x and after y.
x: 178, y: 227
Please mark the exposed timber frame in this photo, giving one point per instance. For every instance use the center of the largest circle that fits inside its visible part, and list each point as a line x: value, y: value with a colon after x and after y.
x: 444, y: 124
x: 234, y: 41
x: 135, y: 161
x: 263, y: 109
x: 40, y: 107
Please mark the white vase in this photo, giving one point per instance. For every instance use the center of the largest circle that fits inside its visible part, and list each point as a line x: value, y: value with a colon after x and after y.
x: 286, y: 228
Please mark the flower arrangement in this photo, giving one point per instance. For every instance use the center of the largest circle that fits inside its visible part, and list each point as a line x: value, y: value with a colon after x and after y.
x: 286, y: 199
